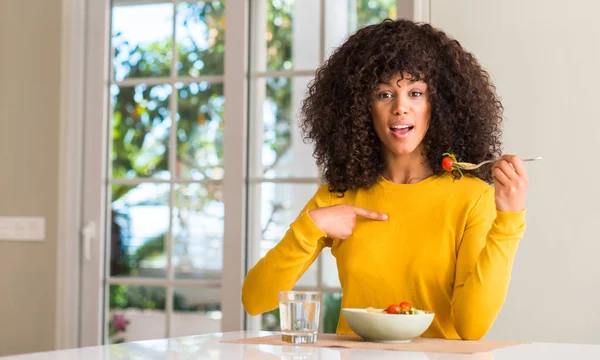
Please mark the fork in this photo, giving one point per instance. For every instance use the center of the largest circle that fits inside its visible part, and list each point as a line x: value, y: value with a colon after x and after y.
x: 469, y: 166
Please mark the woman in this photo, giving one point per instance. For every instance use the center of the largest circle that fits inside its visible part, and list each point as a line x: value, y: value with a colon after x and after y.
x: 381, y: 112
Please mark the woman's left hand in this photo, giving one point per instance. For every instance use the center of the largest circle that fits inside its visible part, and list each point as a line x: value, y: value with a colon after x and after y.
x: 510, y: 182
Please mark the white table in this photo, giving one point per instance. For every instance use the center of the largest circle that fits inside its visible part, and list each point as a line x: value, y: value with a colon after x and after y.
x: 208, y: 347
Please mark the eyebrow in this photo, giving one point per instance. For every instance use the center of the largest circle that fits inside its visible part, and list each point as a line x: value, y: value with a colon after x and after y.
x: 382, y: 82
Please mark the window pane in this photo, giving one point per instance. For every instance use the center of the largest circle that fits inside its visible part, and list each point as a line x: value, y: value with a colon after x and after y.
x: 279, y: 205
x: 135, y: 313
x: 368, y: 12
x: 278, y: 150
x: 141, y: 123
x: 139, y: 227
x: 270, y: 321
x: 360, y: 13
x: 200, y: 131
x: 200, y: 38
x: 198, y: 231
x: 329, y: 272
x: 196, y: 311
x: 285, y: 35
x: 142, y: 40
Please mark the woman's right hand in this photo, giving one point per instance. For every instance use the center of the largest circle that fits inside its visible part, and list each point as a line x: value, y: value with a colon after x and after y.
x: 338, y: 221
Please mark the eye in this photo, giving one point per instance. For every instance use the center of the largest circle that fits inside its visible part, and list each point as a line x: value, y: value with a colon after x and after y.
x: 385, y: 95
x: 416, y: 93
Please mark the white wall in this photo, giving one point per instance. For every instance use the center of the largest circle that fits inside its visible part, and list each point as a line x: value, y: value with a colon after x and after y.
x: 545, y: 58
x: 30, y: 34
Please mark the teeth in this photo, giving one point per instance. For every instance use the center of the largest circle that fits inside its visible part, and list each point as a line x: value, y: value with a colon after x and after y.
x: 400, y: 127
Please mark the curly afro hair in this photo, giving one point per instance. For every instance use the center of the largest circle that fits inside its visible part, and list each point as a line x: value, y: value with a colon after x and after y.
x: 466, y: 115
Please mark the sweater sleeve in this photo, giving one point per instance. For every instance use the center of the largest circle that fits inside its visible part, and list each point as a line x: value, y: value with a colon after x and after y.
x: 484, y: 265
x: 285, y: 263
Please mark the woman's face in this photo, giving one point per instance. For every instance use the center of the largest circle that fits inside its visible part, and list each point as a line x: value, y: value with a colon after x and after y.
x: 400, y: 111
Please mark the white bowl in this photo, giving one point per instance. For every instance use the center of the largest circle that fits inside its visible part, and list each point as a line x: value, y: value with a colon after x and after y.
x: 387, y: 328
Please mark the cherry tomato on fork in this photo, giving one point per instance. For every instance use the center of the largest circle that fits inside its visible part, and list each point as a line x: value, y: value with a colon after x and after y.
x: 447, y: 163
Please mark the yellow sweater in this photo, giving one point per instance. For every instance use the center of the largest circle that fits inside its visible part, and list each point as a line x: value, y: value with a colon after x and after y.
x: 444, y: 248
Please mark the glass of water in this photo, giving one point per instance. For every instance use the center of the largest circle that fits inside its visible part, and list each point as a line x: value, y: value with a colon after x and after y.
x: 300, y: 313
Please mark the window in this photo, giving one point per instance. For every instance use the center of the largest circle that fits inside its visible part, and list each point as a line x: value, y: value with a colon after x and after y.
x: 290, y: 39
x: 165, y: 169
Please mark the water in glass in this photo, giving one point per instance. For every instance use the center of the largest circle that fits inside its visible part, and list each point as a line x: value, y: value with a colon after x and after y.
x: 300, y: 313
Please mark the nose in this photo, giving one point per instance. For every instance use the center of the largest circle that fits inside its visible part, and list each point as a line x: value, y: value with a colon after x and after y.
x: 399, y: 108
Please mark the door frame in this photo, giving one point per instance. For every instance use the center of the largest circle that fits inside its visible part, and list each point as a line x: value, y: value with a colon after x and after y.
x: 70, y: 173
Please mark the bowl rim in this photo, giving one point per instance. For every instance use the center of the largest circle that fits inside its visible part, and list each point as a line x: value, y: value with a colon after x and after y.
x: 364, y: 311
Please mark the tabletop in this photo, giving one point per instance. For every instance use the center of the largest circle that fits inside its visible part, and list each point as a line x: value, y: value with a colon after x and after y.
x: 209, y: 347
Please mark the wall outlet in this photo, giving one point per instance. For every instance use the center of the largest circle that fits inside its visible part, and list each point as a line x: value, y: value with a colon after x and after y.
x: 22, y: 228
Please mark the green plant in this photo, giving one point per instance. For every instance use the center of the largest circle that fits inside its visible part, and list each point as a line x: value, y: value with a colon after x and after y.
x: 333, y: 305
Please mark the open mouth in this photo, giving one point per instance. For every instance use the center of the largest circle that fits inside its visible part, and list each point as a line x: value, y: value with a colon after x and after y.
x: 401, y: 130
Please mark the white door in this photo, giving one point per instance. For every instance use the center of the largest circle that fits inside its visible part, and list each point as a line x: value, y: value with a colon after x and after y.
x: 155, y: 204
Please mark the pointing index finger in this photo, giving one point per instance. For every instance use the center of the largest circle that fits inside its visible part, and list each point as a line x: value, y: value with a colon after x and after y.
x: 369, y: 214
